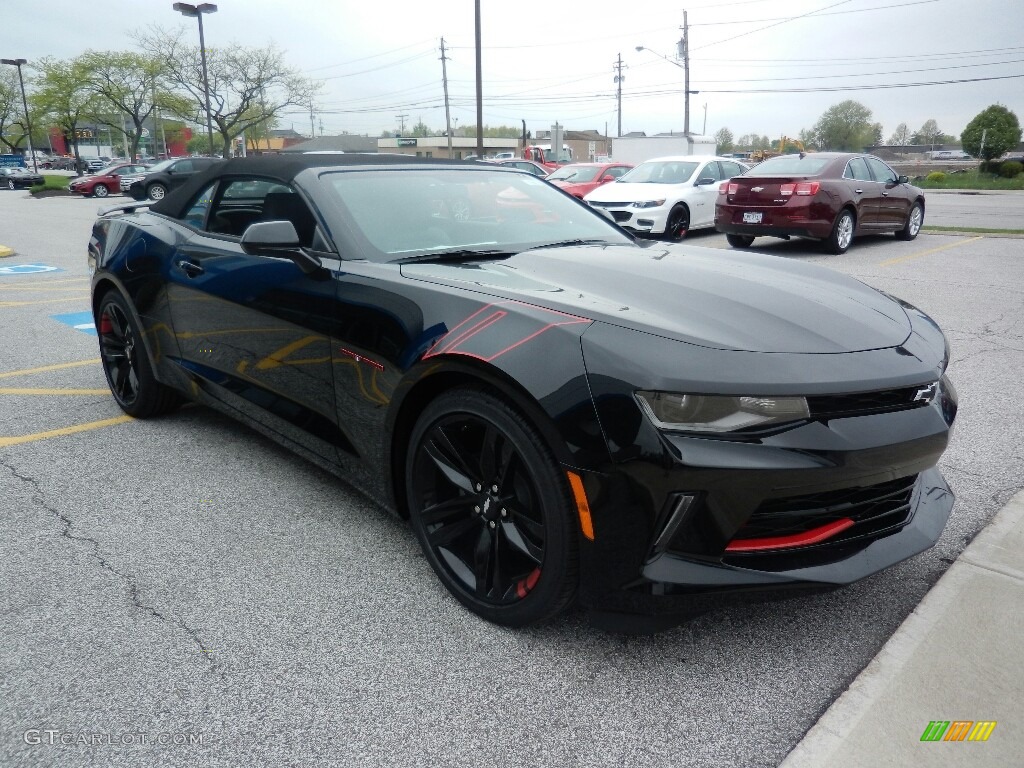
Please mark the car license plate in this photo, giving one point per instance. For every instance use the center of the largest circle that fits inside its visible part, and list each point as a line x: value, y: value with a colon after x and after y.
x: 752, y: 218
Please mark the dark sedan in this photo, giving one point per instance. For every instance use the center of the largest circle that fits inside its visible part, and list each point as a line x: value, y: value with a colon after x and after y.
x: 564, y: 415
x: 163, y: 177
x: 826, y: 196
x: 18, y: 178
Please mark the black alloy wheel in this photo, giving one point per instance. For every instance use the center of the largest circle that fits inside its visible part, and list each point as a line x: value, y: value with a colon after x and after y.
x: 740, y: 241
x: 126, y: 364
x: 490, y: 507
x: 678, y: 223
x: 100, y: 190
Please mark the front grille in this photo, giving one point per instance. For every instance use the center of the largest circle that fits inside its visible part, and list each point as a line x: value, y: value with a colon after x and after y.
x: 865, y: 403
x: 876, y: 510
x: 621, y: 215
x: 599, y: 204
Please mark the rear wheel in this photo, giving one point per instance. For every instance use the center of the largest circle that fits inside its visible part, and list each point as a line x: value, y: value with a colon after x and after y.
x: 678, y: 223
x: 490, y: 507
x: 914, y: 221
x: 100, y: 190
x: 740, y: 241
x: 842, y: 233
x: 126, y: 363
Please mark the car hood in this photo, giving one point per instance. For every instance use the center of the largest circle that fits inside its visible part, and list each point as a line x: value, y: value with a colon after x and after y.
x: 709, y: 297
x: 617, y: 191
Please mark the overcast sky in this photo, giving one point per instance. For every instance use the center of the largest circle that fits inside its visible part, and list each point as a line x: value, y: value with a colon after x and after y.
x: 758, y: 64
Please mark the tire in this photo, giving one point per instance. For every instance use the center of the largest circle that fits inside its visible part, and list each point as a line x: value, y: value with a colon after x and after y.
x: 678, y: 223
x: 100, y: 190
x: 10, y: 185
x: 156, y: 191
x: 842, y: 233
x: 913, y: 226
x: 491, y: 510
x: 740, y: 241
x: 126, y: 363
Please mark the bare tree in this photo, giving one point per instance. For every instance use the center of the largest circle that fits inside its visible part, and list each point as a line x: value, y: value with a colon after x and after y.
x: 901, y: 136
x: 249, y: 87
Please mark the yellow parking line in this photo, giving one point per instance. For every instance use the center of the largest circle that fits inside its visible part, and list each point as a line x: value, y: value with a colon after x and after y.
x: 930, y: 251
x: 19, y: 283
x: 47, y: 289
x: 32, y: 391
x: 44, y: 301
x: 44, y: 368
x: 9, y: 441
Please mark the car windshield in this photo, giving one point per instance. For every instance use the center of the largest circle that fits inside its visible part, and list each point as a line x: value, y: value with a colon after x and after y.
x: 400, y: 214
x: 161, y: 166
x: 577, y: 174
x: 660, y: 172
x: 790, y: 165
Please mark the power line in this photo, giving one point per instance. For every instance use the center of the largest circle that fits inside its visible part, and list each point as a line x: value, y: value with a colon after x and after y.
x: 834, y: 13
x: 776, y: 24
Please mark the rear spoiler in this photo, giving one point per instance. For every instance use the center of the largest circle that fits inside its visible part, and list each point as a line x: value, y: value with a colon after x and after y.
x: 124, y: 207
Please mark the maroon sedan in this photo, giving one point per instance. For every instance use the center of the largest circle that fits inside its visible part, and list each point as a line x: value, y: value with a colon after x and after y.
x: 826, y: 196
x: 580, y: 178
x: 106, y: 181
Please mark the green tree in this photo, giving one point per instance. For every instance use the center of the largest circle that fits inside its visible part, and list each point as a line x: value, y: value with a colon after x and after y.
x: 495, y: 131
x: 248, y: 86
x: 125, y: 84
x: 63, y: 98
x: 1001, y: 130
x: 901, y: 136
x: 845, y: 126
x: 723, y: 141
x: 421, y: 129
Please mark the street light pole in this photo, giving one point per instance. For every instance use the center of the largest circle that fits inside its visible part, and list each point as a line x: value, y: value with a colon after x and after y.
x: 684, y: 66
x: 24, y: 102
x: 197, y: 11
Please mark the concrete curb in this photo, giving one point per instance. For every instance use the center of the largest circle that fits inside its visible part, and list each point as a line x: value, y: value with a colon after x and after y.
x: 943, y: 662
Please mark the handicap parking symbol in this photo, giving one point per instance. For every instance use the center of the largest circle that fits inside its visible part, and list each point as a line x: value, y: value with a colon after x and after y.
x: 80, y: 321
x: 27, y: 269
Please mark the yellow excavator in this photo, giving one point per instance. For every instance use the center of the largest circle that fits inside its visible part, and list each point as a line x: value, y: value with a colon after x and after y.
x: 763, y: 154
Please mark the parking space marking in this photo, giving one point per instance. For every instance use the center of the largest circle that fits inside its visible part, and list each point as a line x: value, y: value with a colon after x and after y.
x: 28, y: 269
x: 930, y: 251
x: 80, y: 321
x: 6, y: 442
x: 44, y: 391
x: 77, y: 298
x: 44, y: 368
x: 19, y: 284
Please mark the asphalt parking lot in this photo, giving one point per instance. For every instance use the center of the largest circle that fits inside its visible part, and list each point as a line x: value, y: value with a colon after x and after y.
x: 184, y: 592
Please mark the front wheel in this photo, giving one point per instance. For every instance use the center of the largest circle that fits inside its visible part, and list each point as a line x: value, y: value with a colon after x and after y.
x: 490, y: 507
x: 914, y: 221
x: 678, y: 223
x: 100, y: 190
x: 842, y: 233
x: 126, y: 364
x: 156, y: 191
x: 740, y: 241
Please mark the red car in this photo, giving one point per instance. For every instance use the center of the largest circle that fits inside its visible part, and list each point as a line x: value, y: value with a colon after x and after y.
x: 826, y: 196
x: 106, y: 181
x: 580, y: 178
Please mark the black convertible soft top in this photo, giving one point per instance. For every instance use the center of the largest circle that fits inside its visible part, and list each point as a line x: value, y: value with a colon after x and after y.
x: 284, y: 168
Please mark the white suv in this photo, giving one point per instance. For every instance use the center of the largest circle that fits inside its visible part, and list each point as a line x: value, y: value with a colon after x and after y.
x: 667, y: 196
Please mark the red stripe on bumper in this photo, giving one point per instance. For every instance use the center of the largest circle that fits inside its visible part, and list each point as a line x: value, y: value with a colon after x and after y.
x: 813, y: 536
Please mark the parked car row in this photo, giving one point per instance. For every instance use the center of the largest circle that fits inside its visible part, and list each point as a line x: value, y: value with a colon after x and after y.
x: 18, y: 178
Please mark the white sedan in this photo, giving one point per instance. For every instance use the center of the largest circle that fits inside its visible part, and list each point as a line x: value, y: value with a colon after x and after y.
x: 667, y: 196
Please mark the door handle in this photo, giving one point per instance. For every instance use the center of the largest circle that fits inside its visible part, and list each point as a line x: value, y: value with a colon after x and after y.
x: 190, y: 268
x: 859, y: 191
x: 885, y: 194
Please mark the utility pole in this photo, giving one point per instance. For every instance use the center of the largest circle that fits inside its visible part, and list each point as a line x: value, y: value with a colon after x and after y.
x: 312, y: 124
x: 479, y: 89
x: 684, y: 54
x: 321, y: 127
x: 619, y: 77
x: 401, y: 119
x: 447, y: 112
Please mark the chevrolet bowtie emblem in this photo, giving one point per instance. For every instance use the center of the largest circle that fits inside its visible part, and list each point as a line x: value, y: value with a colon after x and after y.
x: 756, y: 189
x: 926, y: 393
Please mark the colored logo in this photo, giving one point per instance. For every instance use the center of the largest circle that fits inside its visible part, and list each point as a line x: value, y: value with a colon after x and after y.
x: 958, y: 730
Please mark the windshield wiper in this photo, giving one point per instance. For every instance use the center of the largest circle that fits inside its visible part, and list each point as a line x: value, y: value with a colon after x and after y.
x: 462, y: 254
x: 575, y: 241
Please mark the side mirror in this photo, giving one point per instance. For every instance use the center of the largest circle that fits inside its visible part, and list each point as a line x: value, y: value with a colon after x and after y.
x: 704, y: 181
x: 278, y: 239
x: 904, y: 180
x: 606, y: 179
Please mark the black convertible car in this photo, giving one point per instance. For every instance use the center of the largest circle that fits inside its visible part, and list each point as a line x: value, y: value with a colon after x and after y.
x: 565, y: 415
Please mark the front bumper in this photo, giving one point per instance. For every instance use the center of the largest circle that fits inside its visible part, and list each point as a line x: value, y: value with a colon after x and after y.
x: 639, y: 221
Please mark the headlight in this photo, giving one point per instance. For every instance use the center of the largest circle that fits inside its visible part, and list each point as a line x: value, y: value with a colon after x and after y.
x: 719, y: 413
x: 649, y: 203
